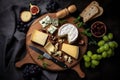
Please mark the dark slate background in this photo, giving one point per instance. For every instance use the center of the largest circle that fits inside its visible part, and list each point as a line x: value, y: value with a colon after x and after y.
x: 12, y: 41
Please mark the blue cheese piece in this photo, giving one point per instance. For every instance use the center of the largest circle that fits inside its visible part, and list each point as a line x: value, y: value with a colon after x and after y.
x: 54, y: 21
x: 45, y: 21
x: 52, y: 29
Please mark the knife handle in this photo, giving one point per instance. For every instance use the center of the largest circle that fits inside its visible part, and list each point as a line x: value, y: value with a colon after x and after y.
x: 61, y: 64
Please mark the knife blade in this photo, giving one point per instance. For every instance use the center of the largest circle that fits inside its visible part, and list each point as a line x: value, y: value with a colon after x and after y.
x: 46, y: 55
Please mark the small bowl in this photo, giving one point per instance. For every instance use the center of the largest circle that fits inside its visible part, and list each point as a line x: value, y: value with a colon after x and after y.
x: 98, y: 29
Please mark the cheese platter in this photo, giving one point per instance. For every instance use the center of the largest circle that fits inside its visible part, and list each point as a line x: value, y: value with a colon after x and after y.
x: 63, y: 48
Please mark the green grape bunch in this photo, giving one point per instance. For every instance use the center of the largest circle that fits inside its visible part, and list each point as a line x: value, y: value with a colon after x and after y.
x: 107, y: 46
x: 91, y: 60
x: 106, y: 49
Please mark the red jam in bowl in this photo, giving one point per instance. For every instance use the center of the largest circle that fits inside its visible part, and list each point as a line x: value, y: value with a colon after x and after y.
x: 98, y: 29
x: 34, y: 9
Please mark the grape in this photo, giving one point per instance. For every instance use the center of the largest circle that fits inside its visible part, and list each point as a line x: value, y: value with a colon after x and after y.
x: 89, y: 53
x: 84, y: 56
x: 98, y: 51
x: 94, y: 56
x: 105, y: 38
x: 31, y: 70
x: 110, y: 36
x: 111, y: 44
x: 101, y: 43
x: 106, y: 47
x: 109, y: 52
x: 101, y: 49
x: 99, y: 57
x: 104, y: 54
x: 87, y: 64
x: 115, y: 43
x: 95, y: 62
x: 87, y: 58
x: 52, y: 6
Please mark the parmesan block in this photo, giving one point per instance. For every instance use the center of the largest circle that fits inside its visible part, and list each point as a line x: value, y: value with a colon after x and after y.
x: 39, y: 37
x: 68, y: 30
x: 49, y: 47
x: 71, y: 50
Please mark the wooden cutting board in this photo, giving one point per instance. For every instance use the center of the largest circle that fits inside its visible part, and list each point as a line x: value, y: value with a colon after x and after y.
x: 32, y: 56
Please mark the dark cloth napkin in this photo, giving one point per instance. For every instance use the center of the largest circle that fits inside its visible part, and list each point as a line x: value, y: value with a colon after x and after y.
x: 12, y: 41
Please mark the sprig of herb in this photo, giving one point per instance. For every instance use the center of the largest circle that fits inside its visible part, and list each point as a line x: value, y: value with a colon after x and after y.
x: 88, y: 33
x: 80, y: 24
x: 62, y: 22
x: 92, y: 42
x: 40, y: 57
x: 77, y: 19
x: 44, y: 64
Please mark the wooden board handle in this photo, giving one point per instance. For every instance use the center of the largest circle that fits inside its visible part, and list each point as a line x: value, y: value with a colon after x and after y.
x: 78, y: 70
x: 27, y: 59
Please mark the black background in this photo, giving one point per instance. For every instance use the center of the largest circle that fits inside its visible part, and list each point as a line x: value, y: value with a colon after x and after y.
x: 12, y: 42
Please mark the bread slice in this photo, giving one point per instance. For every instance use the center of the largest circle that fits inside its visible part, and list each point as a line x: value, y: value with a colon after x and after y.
x: 94, y: 14
x: 89, y: 13
x: 99, y: 7
x: 92, y: 3
x: 100, y: 12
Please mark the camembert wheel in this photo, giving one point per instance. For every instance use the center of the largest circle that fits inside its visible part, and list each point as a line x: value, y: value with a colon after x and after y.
x: 70, y: 31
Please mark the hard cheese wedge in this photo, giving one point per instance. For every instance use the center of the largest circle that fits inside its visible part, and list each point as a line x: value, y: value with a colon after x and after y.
x: 49, y: 47
x: 39, y: 37
x: 71, y: 50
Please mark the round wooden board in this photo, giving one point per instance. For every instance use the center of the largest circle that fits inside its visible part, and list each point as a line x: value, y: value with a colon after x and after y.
x: 51, y: 65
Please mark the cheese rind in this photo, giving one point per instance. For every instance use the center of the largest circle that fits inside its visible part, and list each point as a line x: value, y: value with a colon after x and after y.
x: 71, y: 50
x: 39, y: 37
x: 70, y: 30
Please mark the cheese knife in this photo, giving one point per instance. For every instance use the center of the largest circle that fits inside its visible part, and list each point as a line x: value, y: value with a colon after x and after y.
x: 46, y: 55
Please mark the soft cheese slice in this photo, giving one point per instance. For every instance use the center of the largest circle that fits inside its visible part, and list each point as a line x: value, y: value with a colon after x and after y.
x: 49, y: 47
x: 39, y: 37
x: 71, y: 50
x: 70, y: 30
x: 45, y: 21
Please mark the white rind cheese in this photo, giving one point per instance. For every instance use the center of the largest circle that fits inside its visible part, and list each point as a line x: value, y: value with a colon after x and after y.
x: 68, y: 30
x: 71, y: 50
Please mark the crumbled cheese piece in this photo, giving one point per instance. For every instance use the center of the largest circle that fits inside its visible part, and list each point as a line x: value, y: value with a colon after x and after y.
x: 56, y: 46
x: 58, y: 53
x: 54, y: 21
x: 65, y: 57
x: 69, y: 60
x: 52, y: 29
